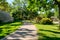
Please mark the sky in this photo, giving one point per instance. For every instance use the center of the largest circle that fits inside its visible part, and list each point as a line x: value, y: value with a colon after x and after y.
x: 10, y: 1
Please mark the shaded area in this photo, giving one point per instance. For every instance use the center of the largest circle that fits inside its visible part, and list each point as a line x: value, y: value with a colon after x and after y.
x: 48, y: 32
x: 1, y: 23
x: 27, y: 22
x: 7, y: 28
x: 26, y: 32
x: 22, y: 33
x: 47, y: 37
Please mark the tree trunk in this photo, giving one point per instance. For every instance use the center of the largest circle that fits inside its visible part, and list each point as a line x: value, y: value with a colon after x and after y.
x: 59, y: 15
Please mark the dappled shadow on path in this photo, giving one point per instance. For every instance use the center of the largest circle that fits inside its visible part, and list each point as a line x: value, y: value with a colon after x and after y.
x: 27, y: 23
x: 22, y: 33
x: 27, y: 31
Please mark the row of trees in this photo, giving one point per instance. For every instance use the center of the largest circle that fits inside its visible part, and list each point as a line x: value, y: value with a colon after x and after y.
x: 32, y: 7
x: 41, y: 5
x: 28, y: 9
x: 4, y: 6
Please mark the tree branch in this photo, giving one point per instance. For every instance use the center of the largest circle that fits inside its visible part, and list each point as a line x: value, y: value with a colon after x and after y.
x: 56, y: 2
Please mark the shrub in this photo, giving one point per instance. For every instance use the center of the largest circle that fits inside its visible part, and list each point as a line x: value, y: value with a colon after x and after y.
x: 46, y: 21
x: 0, y: 21
x: 16, y: 15
x: 37, y: 19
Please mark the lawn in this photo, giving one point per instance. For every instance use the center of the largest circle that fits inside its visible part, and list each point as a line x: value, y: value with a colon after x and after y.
x: 8, y: 28
x: 48, y: 32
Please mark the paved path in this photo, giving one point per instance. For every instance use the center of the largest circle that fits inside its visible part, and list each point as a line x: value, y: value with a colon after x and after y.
x: 26, y: 32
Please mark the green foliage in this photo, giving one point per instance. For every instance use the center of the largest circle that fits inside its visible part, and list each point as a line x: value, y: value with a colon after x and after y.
x: 7, y: 28
x: 46, y: 21
x: 17, y: 15
x: 4, y: 6
x: 50, y: 14
x: 38, y: 19
x: 48, y: 32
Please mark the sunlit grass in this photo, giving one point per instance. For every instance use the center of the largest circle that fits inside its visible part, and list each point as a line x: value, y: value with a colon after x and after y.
x: 8, y: 28
x: 48, y: 32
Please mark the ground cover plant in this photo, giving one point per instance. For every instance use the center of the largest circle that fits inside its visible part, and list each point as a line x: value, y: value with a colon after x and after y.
x: 48, y: 32
x: 7, y: 28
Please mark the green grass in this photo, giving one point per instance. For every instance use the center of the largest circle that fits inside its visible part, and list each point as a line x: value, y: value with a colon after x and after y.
x: 48, y: 32
x: 8, y: 28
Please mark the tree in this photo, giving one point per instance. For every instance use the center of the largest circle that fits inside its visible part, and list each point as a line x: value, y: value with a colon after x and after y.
x: 4, y: 6
x: 57, y: 2
x: 26, y: 10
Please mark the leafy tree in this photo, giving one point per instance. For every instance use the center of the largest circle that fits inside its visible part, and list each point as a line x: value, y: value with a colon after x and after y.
x: 57, y: 2
x: 4, y: 6
x: 26, y: 11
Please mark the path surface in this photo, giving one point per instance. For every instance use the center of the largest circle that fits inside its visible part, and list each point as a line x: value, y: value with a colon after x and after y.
x: 26, y: 32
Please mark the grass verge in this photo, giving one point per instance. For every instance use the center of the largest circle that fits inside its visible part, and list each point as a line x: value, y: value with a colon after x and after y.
x: 48, y: 32
x: 7, y: 28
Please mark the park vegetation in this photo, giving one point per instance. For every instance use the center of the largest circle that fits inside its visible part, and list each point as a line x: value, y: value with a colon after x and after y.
x: 36, y: 11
